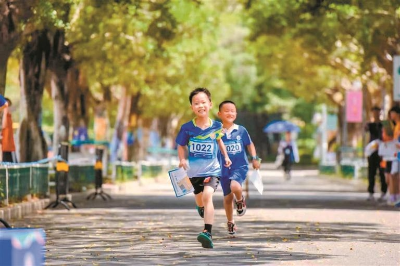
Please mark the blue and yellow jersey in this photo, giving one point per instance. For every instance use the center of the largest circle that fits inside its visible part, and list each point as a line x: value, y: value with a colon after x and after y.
x: 203, y: 148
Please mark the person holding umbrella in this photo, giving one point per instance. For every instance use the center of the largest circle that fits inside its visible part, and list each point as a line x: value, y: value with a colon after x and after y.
x: 287, y: 149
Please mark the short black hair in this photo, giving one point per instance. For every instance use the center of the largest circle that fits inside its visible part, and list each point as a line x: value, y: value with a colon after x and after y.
x: 225, y: 102
x: 197, y: 91
x: 395, y: 109
x: 9, y: 101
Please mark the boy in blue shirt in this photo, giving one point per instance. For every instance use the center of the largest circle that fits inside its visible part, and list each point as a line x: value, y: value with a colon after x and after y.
x: 235, y: 138
x: 200, y: 138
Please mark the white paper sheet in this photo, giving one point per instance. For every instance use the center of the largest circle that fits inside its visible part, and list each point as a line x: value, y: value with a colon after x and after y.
x: 256, y: 179
x: 180, y: 182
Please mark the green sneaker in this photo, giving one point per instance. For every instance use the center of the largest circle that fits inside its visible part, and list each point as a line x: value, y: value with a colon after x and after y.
x: 205, y: 239
x: 200, y: 210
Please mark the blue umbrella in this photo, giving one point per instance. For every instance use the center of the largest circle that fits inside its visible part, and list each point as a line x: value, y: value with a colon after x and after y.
x: 280, y: 126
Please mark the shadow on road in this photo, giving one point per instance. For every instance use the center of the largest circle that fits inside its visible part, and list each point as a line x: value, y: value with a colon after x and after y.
x: 276, y: 202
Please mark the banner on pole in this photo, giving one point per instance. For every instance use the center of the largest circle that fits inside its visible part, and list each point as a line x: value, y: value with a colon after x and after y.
x: 396, y: 78
x: 331, y: 122
x: 354, y: 105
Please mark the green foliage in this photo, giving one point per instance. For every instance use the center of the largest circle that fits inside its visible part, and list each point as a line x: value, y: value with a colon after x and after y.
x: 310, y: 46
x: 52, y: 14
x: 268, y: 56
x: 304, y: 110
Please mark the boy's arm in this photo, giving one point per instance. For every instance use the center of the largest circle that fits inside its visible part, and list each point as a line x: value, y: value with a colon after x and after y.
x: 224, y: 153
x: 182, y: 157
x: 254, y: 158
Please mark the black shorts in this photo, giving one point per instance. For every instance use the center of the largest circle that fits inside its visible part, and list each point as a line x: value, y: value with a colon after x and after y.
x: 388, y: 168
x: 200, y: 182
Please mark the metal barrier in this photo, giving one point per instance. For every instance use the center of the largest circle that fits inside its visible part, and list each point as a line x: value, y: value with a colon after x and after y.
x: 18, y: 183
x: 23, y: 181
x: 81, y: 175
x: 125, y: 171
x: 353, y: 167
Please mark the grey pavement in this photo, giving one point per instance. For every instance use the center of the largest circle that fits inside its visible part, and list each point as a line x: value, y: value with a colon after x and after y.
x: 309, y: 220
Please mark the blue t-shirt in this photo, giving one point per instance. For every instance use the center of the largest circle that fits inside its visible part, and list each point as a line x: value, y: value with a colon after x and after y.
x: 203, y: 148
x: 236, y: 140
x: 2, y: 100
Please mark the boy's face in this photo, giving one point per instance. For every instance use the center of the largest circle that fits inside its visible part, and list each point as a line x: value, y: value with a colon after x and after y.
x: 201, y: 105
x: 393, y: 115
x: 288, y: 136
x: 376, y: 114
x: 385, y: 136
x: 227, y: 113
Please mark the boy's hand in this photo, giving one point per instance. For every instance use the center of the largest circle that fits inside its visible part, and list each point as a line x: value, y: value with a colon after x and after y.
x: 256, y: 163
x: 183, y: 163
x: 228, y: 162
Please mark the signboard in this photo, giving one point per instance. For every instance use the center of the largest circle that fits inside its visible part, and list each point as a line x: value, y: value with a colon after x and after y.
x: 396, y: 78
x: 19, y: 247
x: 331, y: 122
x: 354, y: 105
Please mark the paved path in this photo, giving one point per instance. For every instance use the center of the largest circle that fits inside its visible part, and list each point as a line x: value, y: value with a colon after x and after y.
x: 308, y: 220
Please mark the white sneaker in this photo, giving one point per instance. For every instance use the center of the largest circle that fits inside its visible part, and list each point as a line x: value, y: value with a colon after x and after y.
x: 371, y: 197
x: 382, y: 198
x: 391, y: 200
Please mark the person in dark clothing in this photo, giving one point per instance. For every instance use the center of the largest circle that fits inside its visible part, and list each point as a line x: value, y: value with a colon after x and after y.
x: 288, y: 150
x: 374, y: 160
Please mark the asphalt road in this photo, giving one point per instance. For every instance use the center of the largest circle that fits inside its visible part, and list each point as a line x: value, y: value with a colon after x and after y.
x: 309, y: 220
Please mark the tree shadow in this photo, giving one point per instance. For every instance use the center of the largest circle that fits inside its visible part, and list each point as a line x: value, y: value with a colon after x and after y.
x: 272, y: 202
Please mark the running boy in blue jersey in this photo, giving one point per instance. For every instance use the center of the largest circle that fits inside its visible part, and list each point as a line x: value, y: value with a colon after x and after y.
x: 201, y: 138
x: 235, y: 138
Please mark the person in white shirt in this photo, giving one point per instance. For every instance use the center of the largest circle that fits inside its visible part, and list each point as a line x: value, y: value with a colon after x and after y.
x: 388, y: 150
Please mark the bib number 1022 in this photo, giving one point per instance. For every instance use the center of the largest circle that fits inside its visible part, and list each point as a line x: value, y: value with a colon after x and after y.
x: 201, y: 147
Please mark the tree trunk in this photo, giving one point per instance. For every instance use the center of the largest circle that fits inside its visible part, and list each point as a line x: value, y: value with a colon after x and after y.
x: 60, y: 62
x: 32, y: 145
x: 254, y: 123
x: 79, y: 98
x: 133, y: 150
x: 10, y: 33
x: 119, y: 127
x: 261, y: 140
x: 4, y: 55
x: 168, y: 128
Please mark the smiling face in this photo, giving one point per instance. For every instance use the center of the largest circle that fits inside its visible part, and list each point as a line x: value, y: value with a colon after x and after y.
x: 227, y: 113
x: 201, y: 105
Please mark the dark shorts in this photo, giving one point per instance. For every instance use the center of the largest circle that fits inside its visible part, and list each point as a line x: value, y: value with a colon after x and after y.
x: 239, y: 175
x: 200, y: 182
x: 388, y: 168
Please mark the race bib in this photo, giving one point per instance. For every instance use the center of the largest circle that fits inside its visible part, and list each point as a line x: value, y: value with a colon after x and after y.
x: 233, y: 147
x: 201, y: 148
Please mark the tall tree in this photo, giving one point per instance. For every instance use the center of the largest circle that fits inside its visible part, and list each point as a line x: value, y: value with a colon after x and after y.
x: 60, y: 64
x: 34, y: 63
x: 13, y: 16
